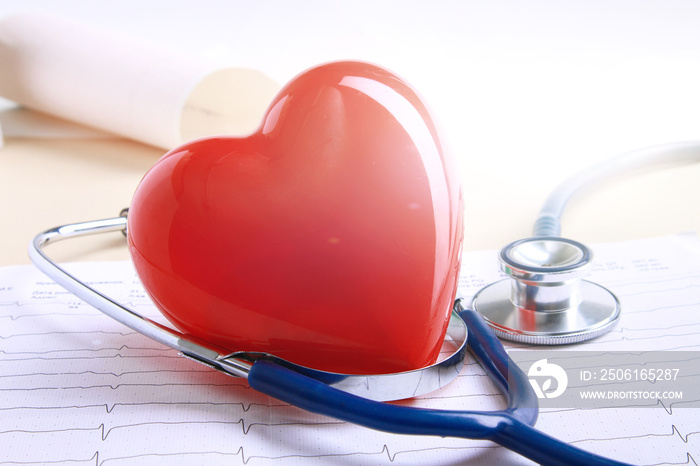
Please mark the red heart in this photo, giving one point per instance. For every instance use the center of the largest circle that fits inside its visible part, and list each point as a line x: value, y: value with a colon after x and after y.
x: 331, y: 237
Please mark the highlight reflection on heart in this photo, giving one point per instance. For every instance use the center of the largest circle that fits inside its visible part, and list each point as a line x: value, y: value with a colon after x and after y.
x: 330, y: 237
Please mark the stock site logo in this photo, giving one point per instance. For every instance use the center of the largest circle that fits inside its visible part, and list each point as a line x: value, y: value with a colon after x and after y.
x: 547, y: 372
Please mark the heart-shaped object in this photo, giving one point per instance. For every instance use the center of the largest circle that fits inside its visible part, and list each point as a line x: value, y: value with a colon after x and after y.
x: 331, y: 237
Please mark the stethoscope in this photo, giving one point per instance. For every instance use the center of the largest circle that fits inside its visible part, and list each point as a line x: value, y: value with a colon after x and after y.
x: 545, y: 300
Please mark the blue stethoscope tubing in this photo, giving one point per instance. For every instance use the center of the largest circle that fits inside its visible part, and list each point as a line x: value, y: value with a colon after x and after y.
x: 511, y: 428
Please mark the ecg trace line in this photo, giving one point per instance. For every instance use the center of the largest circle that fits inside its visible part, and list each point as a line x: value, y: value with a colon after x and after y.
x: 245, y: 407
x: 114, y: 374
x: 45, y: 334
x: 240, y: 453
x: 233, y: 382
x: 245, y: 429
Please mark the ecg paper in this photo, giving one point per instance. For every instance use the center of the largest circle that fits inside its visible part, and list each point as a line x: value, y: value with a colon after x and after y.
x: 78, y: 388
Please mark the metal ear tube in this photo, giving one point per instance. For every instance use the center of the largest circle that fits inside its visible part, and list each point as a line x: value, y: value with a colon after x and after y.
x: 546, y: 301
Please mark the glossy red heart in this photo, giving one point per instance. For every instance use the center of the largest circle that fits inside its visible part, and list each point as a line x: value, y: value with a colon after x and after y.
x: 331, y: 237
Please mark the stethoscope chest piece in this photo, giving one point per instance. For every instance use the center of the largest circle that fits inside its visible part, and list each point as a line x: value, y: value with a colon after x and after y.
x: 546, y: 301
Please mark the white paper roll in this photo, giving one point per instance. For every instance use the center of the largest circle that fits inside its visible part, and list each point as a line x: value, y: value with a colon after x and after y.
x: 123, y: 86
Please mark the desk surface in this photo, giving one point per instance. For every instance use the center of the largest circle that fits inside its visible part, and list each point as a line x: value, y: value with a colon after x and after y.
x: 525, y: 96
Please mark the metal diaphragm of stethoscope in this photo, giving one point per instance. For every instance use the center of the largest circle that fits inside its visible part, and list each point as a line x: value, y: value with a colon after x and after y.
x: 545, y: 301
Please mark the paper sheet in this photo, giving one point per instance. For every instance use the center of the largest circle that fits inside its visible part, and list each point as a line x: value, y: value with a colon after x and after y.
x: 117, y: 84
x: 78, y: 388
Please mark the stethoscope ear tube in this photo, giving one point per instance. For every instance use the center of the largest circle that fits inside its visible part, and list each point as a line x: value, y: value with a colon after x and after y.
x: 510, y: 428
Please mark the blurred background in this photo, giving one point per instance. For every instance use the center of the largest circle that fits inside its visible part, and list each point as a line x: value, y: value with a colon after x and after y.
x: 526, y: 93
